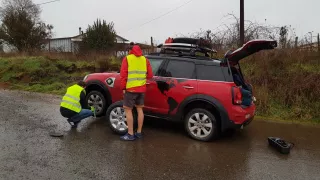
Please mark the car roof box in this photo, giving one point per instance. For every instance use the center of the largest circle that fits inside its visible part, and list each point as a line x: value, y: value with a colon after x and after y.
x: 187, y: 47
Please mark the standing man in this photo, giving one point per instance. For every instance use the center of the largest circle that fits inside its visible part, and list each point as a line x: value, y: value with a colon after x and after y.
x: 73, y: 105
x: 135, y: 70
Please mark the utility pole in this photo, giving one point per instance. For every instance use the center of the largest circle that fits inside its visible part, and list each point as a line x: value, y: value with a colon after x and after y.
x: 318, y: 42
x: 241, y: 22
x: 152, y: 45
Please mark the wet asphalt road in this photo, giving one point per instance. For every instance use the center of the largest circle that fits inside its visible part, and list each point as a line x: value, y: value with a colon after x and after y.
x: 28, y: 152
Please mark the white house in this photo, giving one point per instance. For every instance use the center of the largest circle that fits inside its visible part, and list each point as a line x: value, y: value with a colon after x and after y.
x: 70, y: 44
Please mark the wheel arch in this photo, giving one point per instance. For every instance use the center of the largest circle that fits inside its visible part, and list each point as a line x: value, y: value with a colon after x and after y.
x: 209, y: 103
x: 95, y: 85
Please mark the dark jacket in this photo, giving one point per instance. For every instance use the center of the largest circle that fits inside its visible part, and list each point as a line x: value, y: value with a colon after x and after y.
x: 69, y: 113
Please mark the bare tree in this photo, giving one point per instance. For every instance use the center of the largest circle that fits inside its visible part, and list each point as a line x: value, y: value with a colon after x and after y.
x: 227, y: 36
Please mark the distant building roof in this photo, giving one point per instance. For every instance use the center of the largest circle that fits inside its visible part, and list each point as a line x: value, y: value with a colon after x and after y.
x: 79, y: 38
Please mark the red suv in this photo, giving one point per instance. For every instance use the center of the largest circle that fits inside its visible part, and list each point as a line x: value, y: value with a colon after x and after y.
x: 197, y: 90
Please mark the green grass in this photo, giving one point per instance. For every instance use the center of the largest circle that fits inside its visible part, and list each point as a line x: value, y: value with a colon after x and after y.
x: 38, y: 74
x: 286, y: 83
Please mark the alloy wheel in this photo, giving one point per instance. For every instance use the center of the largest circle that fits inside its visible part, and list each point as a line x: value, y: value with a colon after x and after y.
x: 118, y: 119
x: 200, y: 125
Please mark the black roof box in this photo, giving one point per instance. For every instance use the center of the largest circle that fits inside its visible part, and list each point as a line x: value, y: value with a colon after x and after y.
x: 187, y: 47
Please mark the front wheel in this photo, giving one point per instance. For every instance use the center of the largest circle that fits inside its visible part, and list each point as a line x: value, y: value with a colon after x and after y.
x: 98, y: 101
x: 117, y: 120
x: 201, y: 125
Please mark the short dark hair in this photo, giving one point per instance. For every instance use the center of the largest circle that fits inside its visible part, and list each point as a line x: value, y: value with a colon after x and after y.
x: 82, y: 83
x: 130, y: 46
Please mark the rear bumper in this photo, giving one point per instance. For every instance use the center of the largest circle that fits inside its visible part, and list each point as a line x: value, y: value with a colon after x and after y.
x: 241, y: 117
x: 231, y: 125
x: 247, y: 122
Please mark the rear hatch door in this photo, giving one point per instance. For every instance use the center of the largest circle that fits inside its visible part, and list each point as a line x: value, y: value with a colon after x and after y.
x: 250, y: 48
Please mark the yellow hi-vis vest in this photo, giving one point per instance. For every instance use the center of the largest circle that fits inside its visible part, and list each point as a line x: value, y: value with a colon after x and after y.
x: 71, y: 100
x: 137, y: 71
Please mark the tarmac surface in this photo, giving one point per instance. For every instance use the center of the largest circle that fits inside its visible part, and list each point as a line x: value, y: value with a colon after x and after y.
x: 28, y: 152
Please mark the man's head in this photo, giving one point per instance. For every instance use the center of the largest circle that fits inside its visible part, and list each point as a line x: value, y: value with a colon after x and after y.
x: 82, y: 84
x: 130, y: 46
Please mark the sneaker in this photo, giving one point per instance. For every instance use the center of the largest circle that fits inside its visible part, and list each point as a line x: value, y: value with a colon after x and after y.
x: 73, y: 125
x: 128, y: 137
x: 138, y: 135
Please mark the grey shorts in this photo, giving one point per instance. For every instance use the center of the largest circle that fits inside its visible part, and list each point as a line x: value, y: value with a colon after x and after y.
x: 133, y: 99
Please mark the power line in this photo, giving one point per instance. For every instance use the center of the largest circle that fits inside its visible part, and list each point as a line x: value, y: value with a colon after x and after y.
x: 184, y: 4
x: 48, y: 2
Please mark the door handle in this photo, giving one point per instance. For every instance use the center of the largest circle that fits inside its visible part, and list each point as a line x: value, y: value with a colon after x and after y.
x: 147, y: 83
x: 188, y: 87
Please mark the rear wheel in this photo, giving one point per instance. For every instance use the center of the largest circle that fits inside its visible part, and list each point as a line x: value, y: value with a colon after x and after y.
x: 201, y: 125
x: 98, y: 101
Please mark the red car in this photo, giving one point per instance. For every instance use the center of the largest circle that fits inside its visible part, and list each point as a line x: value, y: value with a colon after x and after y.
x: 197, y: 90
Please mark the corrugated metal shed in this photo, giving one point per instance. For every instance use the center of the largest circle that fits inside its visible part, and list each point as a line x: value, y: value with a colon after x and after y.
x: 61, y: 45
x: 70, y: 44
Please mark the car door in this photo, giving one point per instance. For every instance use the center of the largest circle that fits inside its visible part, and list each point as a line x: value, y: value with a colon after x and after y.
x: 176, y: 81
x: 153, y: 94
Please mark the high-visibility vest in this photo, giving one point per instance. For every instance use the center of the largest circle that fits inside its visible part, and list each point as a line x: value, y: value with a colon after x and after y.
x: 71, y: 100
x: 137, y: 71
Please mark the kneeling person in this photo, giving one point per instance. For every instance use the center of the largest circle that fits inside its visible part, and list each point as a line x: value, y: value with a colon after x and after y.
x: 74, y: 106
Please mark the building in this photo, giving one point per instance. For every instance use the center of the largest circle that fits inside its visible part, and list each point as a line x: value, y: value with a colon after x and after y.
x: 71, y: 44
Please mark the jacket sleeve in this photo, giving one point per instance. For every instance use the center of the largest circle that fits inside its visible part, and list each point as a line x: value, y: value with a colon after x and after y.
x: 124, y: 73
x: 149, y: 70
x: 83, y: 102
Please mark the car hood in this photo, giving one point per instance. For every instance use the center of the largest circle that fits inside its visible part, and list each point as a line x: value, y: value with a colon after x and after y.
x: 250, y: 48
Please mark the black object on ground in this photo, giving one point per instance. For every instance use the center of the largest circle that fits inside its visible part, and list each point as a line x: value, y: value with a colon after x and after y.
x: 280, y: 145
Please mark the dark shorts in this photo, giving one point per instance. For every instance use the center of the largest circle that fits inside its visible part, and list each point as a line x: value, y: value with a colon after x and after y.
x: 133, y: 99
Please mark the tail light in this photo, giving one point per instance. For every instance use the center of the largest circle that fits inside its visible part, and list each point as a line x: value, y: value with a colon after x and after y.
x: 236, y: 96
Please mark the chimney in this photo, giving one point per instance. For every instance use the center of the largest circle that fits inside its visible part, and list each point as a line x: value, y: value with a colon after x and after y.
x: 79, y: 30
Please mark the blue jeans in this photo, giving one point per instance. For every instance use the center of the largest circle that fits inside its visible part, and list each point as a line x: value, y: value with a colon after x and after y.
x: 84, y: 113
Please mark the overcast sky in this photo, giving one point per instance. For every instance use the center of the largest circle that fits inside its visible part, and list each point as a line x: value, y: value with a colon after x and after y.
x: 128, y: 15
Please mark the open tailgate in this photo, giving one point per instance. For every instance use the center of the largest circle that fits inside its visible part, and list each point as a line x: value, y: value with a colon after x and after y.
x: 250, y: 48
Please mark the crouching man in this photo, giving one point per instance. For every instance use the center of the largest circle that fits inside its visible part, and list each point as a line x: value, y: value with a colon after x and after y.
x: 74, y: 106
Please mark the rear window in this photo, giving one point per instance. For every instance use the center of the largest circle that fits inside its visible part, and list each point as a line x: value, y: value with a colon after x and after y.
x: 180, y: 69
x: 212, y: 73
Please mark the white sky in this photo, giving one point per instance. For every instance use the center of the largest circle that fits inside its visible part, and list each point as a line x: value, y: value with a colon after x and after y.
x: 68, y: 15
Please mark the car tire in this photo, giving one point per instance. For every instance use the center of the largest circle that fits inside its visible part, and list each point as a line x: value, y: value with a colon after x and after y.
x: 115, y: 116
x: 98, y: 101
x: 201, y: 125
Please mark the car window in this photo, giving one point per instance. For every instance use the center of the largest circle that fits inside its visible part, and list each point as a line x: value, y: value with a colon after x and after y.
x: 213, y: 73
x: 155, y: 64
x: 179, y: 69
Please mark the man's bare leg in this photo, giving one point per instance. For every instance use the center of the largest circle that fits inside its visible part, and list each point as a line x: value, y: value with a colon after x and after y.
x: 129, y: 119
x: 140, y: 119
